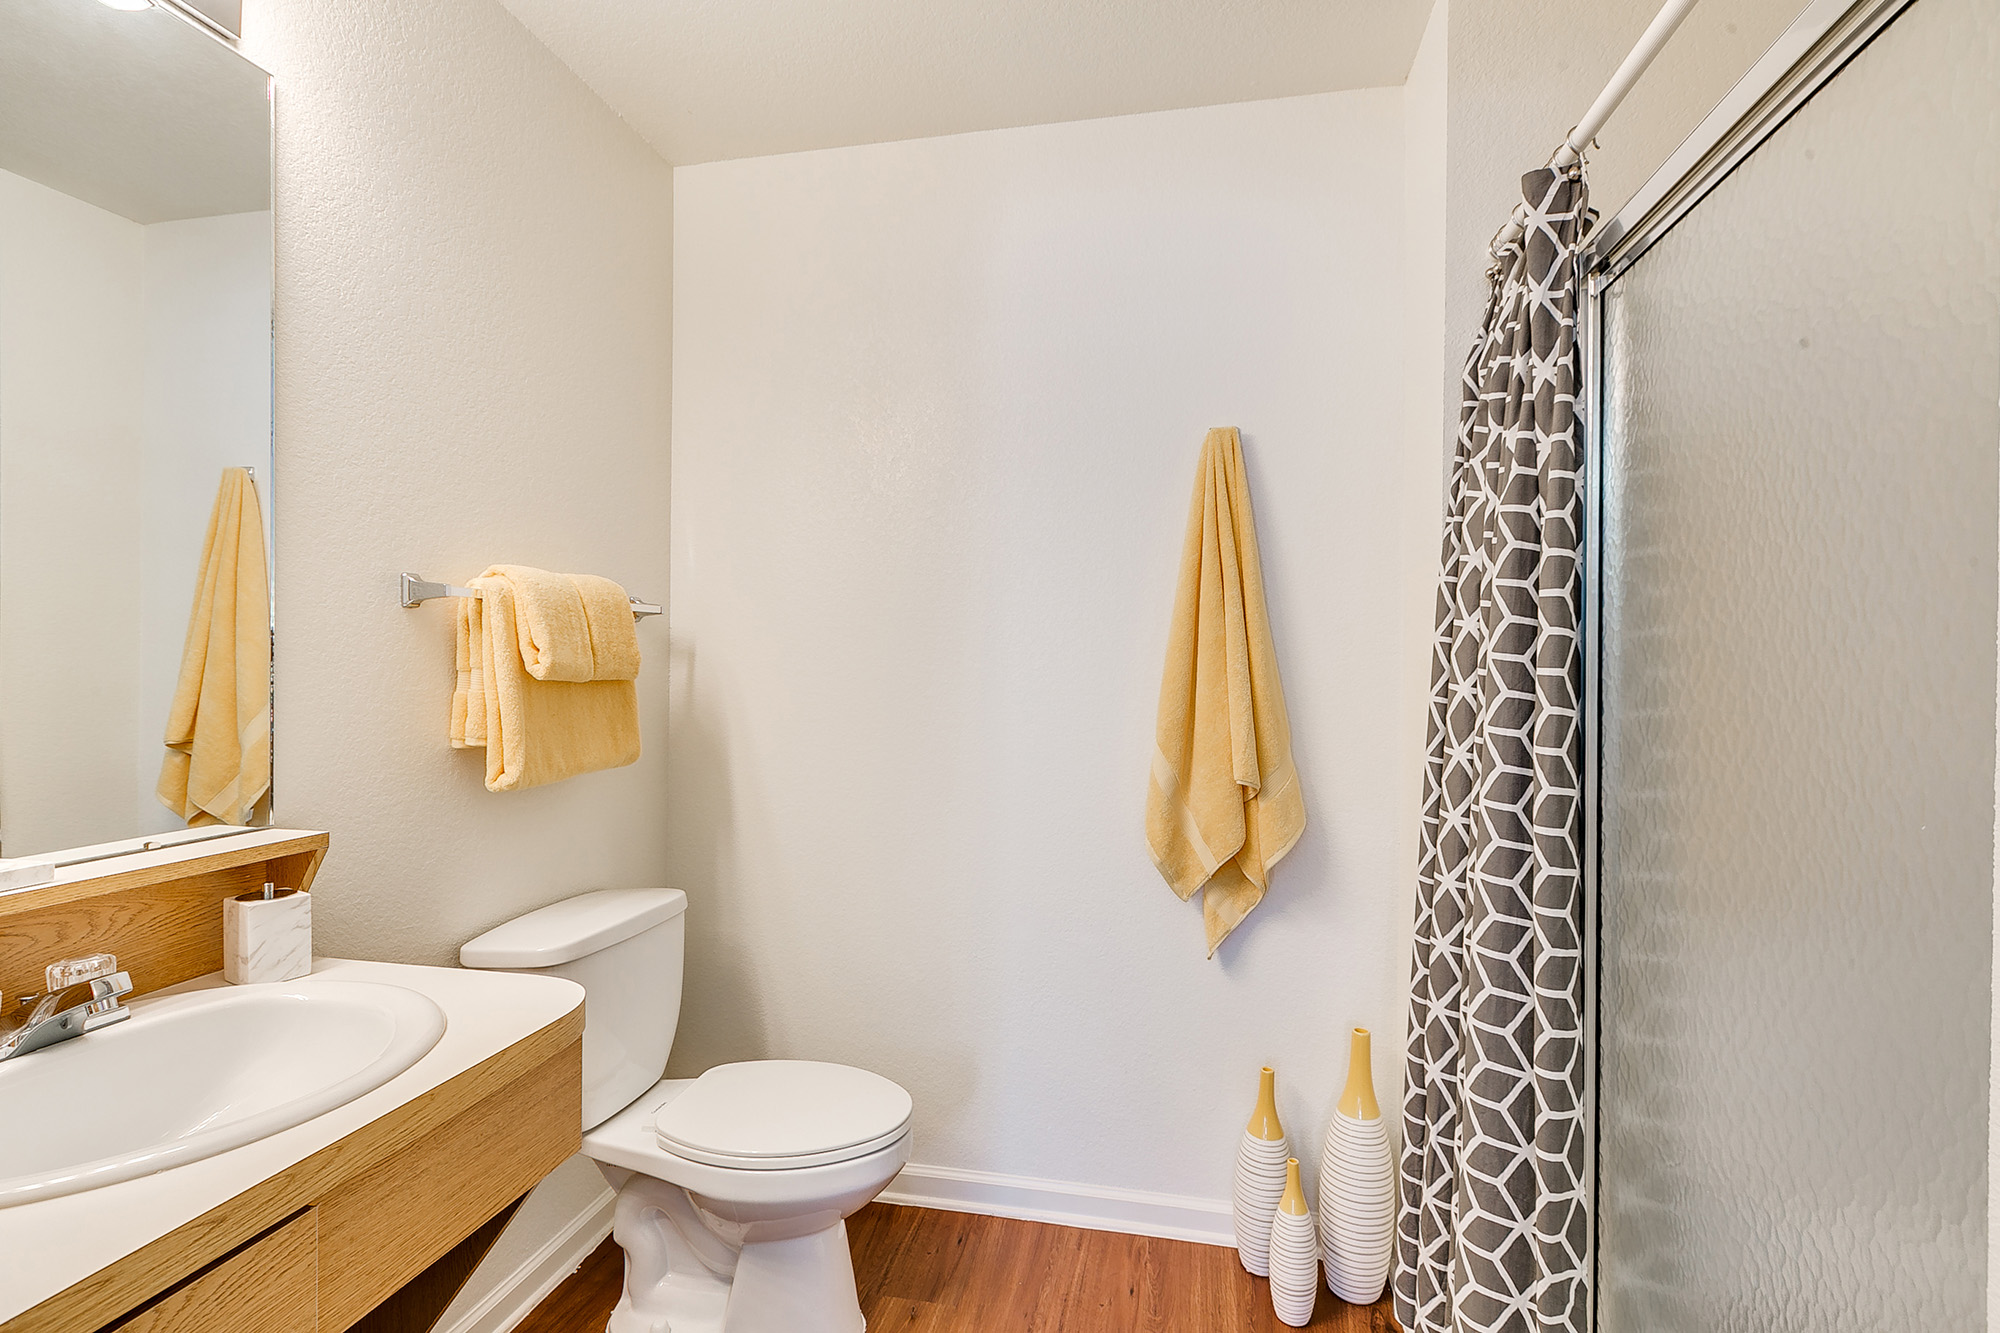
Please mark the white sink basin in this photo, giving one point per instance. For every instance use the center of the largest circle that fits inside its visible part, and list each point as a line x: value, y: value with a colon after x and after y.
x: 189, y: 1076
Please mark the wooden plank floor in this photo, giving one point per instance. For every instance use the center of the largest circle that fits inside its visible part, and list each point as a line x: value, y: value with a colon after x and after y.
x: 923, y: 1271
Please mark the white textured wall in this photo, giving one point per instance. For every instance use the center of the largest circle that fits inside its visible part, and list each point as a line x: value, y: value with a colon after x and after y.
x: 208, y: 407
x: 937, y: 407
x: 72, y: 294
x: 472, y: 305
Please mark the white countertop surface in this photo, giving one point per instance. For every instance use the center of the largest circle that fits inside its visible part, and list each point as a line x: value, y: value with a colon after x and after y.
x: 49, y: 1245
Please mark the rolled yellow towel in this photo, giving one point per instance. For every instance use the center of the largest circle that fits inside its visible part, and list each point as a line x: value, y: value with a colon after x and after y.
x: 1224, y: 802
x: 614, y: 640
x: 218, y: 762
x: 571, y: 627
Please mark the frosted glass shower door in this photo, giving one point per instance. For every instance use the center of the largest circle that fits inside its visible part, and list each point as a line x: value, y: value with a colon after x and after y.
x: 1797, y: 725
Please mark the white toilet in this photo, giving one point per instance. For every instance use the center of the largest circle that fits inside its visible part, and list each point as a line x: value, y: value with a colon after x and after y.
x: 732, y: 1187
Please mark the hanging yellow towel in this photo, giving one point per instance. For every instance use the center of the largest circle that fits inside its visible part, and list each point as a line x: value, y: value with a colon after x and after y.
x: 218, y: 762
x: 541, y: 731
x: 468, y: 698
x: 1224, y: 803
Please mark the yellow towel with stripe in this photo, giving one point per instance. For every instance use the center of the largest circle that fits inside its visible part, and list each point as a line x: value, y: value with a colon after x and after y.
x: 547, y: 665
x: 1224, y: 803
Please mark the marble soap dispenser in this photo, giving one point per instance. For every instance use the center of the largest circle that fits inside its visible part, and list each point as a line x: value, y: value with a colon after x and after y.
x: 267, y: 936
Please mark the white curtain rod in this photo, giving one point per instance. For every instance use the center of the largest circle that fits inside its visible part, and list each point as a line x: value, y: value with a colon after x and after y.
x: 1651, y: 42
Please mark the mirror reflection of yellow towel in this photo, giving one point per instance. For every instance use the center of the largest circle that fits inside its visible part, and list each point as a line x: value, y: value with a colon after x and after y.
x: 218, y: 761
x: 547, y: 665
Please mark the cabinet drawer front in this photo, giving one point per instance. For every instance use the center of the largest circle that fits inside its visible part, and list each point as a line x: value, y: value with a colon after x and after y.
x: 265, y: 1287
x: 384, y: 1227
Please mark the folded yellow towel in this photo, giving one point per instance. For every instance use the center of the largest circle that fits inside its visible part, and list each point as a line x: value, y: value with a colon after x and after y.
x: 1224, y: 802
x: 537, y: 731
x: 218, y: 762
x: 572, y: 627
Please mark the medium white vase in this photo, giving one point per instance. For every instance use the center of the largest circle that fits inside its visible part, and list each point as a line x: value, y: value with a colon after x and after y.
x: 1260, y: 1177
x: 1357, y: 1187
x: 1294, y: 1254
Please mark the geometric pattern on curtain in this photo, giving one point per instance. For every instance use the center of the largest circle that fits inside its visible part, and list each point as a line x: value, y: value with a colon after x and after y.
x: 1493, y: 1223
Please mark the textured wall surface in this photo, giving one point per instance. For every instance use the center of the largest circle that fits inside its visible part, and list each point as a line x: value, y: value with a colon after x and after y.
x: 472, y: 306
x: 937, y: 407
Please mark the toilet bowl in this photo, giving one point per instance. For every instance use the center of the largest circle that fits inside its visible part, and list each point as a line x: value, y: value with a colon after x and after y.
x: 733, y: 1188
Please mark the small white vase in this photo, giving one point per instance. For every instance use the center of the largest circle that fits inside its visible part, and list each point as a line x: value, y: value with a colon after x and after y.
x: 1357, y: 1188
x: 1294, y: 1254
x: 1260, y: 1177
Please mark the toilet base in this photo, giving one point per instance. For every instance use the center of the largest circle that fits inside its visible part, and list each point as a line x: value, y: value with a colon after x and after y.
x: 801, y: 1285
x: 681, y: 1277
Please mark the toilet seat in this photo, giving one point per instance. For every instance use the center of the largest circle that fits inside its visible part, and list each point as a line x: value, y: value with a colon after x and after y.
x: 765, y: 1115
x: 627, y: 1143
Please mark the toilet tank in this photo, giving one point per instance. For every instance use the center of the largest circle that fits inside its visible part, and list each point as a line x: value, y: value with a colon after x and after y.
x: 625, y: 947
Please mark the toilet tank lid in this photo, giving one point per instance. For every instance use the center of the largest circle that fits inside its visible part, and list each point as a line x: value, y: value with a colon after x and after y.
x: 564, y: 932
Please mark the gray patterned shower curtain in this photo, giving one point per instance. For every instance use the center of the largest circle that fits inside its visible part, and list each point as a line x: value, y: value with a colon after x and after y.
x: 1493, y: 1225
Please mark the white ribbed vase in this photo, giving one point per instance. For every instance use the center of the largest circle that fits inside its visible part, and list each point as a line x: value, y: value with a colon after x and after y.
x: 1260, y: 1178
x: 1294, y: 1255
x: 1357, y: 1188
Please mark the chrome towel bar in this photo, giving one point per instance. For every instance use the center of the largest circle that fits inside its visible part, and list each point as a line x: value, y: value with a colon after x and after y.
x: 416, y: 590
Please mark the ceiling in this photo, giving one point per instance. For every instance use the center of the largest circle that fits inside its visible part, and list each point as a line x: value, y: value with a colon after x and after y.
x: 704, y: 80
x: 138, y: 113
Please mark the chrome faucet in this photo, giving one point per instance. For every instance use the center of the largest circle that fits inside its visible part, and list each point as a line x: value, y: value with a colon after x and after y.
x: 49, y: 1021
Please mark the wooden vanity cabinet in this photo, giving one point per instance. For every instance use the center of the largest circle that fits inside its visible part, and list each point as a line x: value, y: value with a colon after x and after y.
x: 387, y: 1228
x: 265, y: 1286
x: 383, y: 1248
x: 387, y: 1249
x: 376, y: 1231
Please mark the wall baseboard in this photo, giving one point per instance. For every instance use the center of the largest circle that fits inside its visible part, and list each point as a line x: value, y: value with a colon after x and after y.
x: 515, y: 1296
x: 1066, y: 1203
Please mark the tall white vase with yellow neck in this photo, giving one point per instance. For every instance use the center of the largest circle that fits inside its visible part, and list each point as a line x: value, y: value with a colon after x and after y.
x: 1294, y: 1254
x: 1260, y: 1177
x: 1357, y: 1187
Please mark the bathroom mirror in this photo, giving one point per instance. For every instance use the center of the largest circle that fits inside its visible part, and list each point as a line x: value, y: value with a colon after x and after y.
x: 135, y: 368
